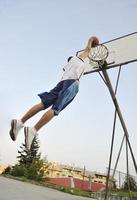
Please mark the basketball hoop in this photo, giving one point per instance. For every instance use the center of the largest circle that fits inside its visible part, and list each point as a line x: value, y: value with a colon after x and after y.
x: 99, y: 55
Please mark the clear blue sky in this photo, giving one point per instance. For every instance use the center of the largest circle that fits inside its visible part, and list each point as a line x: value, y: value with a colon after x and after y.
x: 36, y: 37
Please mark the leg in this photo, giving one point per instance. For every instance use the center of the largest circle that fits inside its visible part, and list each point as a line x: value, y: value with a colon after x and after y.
x: 44, y: 119
x: 31, y: 132
x: 34, y: 110
x: 62, y: 100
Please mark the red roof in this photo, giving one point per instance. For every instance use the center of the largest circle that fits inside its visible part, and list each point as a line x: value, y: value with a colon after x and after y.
x: 79, y: 184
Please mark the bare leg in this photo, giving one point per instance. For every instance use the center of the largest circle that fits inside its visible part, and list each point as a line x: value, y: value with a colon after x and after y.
x: 44, y: 119
x: 34, y: 110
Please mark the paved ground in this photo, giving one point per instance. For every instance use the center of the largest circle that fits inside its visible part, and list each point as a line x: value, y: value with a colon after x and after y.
x: 16, y: 190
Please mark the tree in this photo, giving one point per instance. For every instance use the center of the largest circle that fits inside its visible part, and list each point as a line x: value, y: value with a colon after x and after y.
x: 27, y: 157
x: 30, y: 164
x: 129, y: 183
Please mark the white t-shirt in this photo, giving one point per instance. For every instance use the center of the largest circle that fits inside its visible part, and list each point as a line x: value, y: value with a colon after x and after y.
x: 74, y: 69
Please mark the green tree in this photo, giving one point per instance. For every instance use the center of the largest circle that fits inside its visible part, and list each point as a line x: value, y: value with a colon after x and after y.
x: 130, y: 183
x: 18, y: 170
x: 27, y: 157
x: 30, y: 163
x: 36, y: 171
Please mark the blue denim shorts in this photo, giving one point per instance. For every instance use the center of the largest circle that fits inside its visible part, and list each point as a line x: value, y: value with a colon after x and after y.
x: 60, y: 96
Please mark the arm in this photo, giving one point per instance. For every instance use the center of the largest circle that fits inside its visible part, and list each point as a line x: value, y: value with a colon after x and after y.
x: 93, y: 41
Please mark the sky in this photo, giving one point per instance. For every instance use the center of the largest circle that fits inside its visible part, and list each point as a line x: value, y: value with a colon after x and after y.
x: 36, y: 38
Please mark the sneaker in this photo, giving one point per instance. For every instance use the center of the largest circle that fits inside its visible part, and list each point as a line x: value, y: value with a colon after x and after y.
x: 30, y: 134
x: 16, y: 125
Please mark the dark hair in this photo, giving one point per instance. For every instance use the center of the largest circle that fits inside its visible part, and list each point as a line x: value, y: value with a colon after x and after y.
x: 69, y: 58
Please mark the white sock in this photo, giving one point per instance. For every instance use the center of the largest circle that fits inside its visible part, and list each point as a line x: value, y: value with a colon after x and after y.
x: 34, y: 132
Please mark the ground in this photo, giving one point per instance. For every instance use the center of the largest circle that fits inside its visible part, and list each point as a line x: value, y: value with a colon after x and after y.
x: 17, y: 190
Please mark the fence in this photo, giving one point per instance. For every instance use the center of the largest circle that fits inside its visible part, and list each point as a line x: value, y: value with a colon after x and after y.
x: 120, y: 177
x: 101, y: 196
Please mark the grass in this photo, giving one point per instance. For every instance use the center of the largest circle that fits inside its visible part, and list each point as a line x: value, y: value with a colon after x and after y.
x: 125, y: 193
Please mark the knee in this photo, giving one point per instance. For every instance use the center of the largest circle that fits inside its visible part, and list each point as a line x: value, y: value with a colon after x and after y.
x: 41, y: 106
x: 55, y: 113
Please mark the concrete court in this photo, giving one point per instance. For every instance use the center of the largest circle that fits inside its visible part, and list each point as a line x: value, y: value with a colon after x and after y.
x: 16, y: 190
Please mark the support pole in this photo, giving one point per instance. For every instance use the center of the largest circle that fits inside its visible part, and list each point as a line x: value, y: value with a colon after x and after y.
x: 113, y: 96
x: 118, y: 157
x: 108, y: 187
x: 128, y: 178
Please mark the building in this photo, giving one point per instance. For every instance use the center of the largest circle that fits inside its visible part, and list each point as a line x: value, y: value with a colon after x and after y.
x: 70, y: 175
x: 60, y: 170
x: 99, y: 178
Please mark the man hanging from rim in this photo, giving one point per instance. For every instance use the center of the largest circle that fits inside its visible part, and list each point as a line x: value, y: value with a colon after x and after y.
x: 57, y: 98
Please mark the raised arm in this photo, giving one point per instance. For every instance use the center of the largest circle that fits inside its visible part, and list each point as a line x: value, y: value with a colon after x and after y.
x: 92, y: 42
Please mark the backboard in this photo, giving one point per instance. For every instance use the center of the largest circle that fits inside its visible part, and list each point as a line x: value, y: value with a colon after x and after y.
x: 122, y: 50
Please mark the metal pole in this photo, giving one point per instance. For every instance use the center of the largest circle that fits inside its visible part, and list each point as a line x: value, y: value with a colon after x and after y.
x: 112, y: 93
x: 108, y: 188
x: 119, y: 180
x: 83, y: 177
x: 118, y: 156
x: 128, y: 178
x: 119, y: 114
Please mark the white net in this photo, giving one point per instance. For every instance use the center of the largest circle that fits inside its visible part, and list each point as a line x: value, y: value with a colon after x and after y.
x: 99, y: 53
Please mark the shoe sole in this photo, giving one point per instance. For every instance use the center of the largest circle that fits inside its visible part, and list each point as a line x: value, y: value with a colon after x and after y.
x: 13, y: 124
x: 26, y: 137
